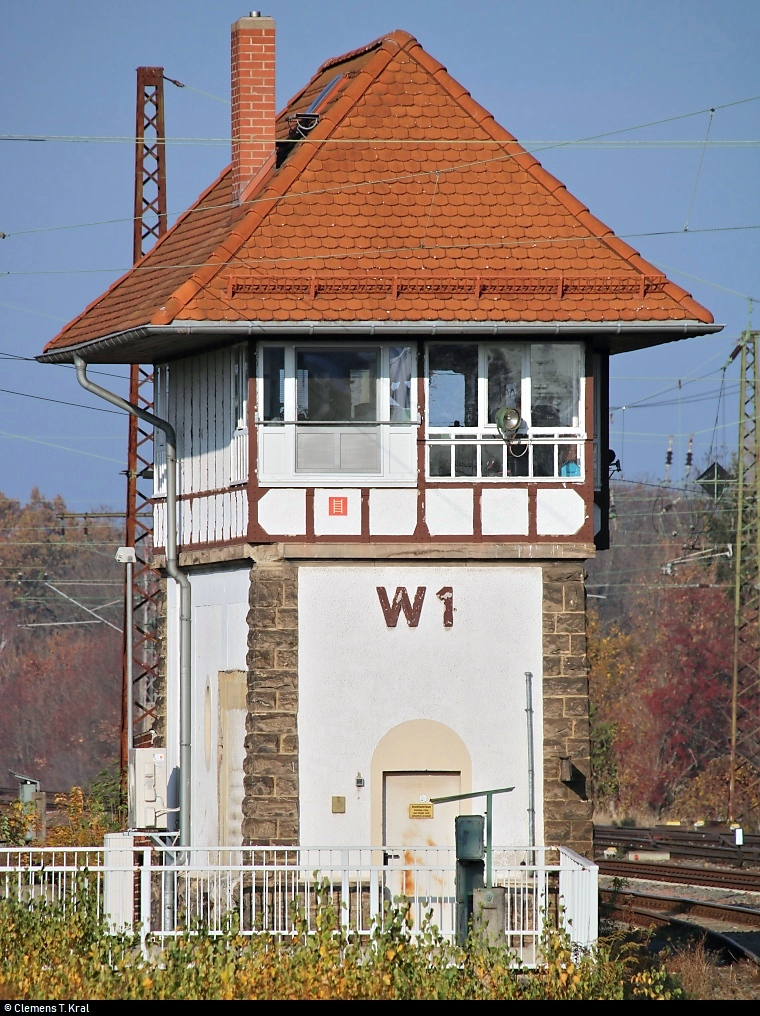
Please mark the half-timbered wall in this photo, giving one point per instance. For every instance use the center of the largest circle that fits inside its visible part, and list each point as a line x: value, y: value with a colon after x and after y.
x: 533, y: 493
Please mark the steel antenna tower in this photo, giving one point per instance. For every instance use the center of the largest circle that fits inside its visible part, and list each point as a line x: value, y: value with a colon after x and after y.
x: 745, y: 696
x: 149, y: 224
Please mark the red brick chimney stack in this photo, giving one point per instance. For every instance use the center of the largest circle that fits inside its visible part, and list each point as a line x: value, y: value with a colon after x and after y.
x: 253, y: 101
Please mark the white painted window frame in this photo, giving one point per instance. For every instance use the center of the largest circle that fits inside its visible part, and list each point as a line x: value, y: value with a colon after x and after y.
x: 292, y: 478
x: 487, y: 433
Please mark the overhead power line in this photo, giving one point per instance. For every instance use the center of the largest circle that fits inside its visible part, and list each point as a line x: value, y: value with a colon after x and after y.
x: 63, y: 448
x: 357, y: 252
x: 60, y: 402
x: 506, y: 156
x: 731, y: 389
x: 706, y: 282
x: 87, y: 609
x: 530, y: 145
x: 68, y: 366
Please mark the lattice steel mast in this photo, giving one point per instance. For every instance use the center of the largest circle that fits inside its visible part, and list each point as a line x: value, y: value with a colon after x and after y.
x: 745, y: 697
x: 149, y: 225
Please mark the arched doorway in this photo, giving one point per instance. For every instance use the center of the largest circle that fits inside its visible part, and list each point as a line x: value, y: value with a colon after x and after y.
x: 413, y: 762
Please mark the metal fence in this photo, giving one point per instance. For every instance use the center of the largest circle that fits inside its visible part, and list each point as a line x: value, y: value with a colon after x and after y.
x: 278, y: 890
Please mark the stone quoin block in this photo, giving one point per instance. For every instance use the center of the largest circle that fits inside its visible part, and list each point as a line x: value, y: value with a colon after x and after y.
x: 270, y: 806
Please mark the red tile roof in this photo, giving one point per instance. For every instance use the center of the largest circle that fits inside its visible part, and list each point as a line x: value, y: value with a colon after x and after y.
x: 406, y: 202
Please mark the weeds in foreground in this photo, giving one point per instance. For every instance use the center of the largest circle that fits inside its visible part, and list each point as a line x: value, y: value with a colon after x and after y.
x: 17, y: 823
x: 85, y: 816
x: 49, y: 952
x: 86, y: 820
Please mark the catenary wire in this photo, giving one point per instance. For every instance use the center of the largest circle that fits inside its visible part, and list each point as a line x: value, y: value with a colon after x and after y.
x: 562, y: 144
x: 359, y: 252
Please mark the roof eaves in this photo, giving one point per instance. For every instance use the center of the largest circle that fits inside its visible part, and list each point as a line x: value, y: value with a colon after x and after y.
x: 138, y: 264
x: 215, y: 331
x: 596, y: 227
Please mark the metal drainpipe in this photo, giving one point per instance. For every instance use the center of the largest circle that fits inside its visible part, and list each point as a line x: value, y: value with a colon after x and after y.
x: 531, y: 767
x: 172, y: 568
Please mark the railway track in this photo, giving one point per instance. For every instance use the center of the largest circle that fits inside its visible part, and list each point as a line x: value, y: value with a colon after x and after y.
x: 716, y: 878
x: 717, y: 845
x: 730, y: 929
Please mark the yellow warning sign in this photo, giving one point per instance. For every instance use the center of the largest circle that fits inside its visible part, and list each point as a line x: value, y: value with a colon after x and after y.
x: 419, y: 809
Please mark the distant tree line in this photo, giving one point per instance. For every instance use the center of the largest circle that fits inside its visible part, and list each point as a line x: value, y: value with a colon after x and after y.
x: 60, y: 682
x: 661, y: 657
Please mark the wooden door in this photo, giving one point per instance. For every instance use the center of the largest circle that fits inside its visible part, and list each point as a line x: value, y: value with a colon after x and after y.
x: 232, y: 708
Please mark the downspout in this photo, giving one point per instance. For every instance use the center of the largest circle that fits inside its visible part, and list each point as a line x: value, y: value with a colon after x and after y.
x: 531, y: 768
x: 172, y: 568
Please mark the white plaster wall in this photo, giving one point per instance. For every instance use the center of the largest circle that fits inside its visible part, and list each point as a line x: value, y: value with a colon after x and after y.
x: 559, y: 512
x: 220, y: 642
x: 504, y: 512
x: 282, y: 512
x: 392, y: 512
x: 359, y: 678
x: 448, y: 512
x: 337, y: 525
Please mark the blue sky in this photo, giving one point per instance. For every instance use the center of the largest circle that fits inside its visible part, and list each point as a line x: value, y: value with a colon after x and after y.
x: 548, y: 71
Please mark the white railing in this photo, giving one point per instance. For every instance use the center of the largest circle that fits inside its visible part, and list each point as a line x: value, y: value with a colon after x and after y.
x: 579, y: 897
x: 272, y: 889
x: 485, y: 455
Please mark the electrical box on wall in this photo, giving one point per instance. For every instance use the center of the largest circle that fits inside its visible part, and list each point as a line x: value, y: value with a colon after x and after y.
x: 147, y: 788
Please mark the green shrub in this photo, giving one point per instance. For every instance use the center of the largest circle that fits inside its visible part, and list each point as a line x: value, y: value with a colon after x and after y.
x: 56, y: 954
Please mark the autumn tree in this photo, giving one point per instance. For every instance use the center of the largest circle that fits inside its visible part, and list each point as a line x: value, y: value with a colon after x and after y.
x: 660, y: 654
x: 59, y: 665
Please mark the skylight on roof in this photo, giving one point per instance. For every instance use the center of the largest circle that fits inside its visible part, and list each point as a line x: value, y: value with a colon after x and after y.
x: 301, y: 123
x: 314, y: 107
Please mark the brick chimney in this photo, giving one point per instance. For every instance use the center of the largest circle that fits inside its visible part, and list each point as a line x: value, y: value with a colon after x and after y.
x: 253, y: 108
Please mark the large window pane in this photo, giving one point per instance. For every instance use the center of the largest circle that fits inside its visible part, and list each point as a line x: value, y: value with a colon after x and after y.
x: 504, y: 378
x: 336, y: 385
x: 274, y: 383
x: 555, y: 385
x: 401, y: 384
x: 453, y: 386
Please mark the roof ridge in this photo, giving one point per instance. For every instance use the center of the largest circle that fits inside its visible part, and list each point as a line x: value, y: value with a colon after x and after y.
x: 600, y: 230
x: 396, y: 35
x: 279, y: 183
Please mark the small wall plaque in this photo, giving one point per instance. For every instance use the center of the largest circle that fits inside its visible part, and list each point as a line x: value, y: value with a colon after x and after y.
x: 339, y: 806
x: 337, y: 506
x: 418, y: 809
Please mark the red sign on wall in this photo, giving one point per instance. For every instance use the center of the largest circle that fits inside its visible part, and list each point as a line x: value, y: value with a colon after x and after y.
x: 337, y: 506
